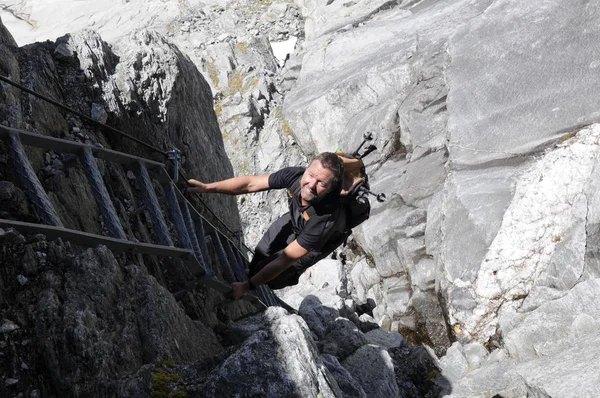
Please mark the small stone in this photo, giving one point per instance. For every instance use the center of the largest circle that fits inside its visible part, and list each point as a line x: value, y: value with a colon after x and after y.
x: 24, y: 366
x: 76, y: 130
x: 350, y: 304
x: 10, y: 382
x: 99, y: 113
x: 130, y: 175
x: 25, y: 343
x: 22, y: 279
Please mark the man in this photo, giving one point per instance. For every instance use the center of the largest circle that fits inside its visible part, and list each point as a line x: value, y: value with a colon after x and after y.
x: 307, y: 233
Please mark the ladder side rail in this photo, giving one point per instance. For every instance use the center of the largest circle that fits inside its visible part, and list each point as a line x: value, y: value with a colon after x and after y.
x: 272, y: 296
x: 87, y: 239
x: 242, y: 263
x: 264, y: 295
x: 177, y: 216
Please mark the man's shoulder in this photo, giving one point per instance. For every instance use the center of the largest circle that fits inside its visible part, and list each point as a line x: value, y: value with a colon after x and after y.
x: 285, y: 177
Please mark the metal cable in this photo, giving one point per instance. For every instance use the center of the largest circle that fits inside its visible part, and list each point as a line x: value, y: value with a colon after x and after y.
x: 81, y: 115
x: 233, y: 234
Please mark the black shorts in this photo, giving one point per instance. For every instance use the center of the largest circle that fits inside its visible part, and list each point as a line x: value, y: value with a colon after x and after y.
x: 279, y: 235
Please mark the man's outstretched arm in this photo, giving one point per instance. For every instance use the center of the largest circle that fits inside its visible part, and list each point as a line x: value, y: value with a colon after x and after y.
x: 292, y: 253
x: 231, y: 186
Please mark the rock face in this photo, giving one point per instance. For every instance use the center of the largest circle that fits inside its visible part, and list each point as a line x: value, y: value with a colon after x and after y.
x: 487, y: 149
x: 384, y: 73
x: 95, y: 320
x: 484, y: 114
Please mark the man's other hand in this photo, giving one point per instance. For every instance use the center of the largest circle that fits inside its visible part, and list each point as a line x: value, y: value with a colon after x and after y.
x: 239, y: 289
x: 195, y: 186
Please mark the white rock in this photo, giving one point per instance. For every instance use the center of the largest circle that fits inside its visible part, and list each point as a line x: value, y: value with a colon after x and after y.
x: 454, y: 365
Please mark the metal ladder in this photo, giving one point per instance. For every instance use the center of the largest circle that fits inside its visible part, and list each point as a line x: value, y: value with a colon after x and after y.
x: 193, y: 231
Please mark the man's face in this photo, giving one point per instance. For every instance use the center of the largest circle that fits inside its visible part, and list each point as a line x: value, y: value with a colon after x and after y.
x: 317, y: 181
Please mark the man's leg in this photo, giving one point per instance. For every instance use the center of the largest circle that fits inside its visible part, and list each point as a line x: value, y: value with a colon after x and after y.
x: 277, y: 237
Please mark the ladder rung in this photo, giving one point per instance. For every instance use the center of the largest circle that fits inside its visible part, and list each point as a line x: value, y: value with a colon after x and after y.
x: 177, y: 216
x: 31, y: 184
x: 60, y: 145
x: 92, y: 240
x: 225, y: 267
x: 189, y: 225
x: 201, y: 235
x: 105, y: 203
x: 236, y: 267
x: 160, y: 225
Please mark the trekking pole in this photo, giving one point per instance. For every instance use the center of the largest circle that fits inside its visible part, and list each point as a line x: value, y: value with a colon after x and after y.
x: 367, y: 151
x: 380, y: 197
x: 368, y: 136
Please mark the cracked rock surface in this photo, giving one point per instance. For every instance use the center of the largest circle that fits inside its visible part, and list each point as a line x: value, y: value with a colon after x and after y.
x: 484, y: 114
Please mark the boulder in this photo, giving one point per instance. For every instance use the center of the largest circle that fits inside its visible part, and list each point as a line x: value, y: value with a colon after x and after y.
x: 372, y: 367
x: 280, y: 361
